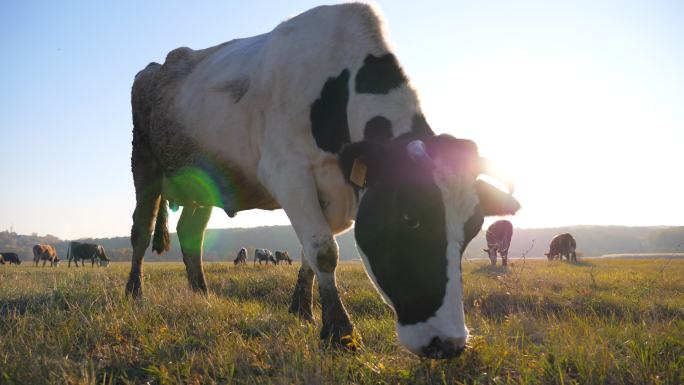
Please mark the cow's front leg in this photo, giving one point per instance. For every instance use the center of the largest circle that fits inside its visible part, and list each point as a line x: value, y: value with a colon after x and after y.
x: 336, y: 324
x: 295, y: 190
x: 302, y: 298
x: 190, y: 229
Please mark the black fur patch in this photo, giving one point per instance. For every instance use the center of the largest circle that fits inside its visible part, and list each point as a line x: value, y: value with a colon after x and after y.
x: 409, y: 263
x: 401, y: 222
x: 401, y: 228
x: 378, y: 128
x: 329, y: 114
x: 472, y: 226
x: 420, y: 125
x: 379, y: 75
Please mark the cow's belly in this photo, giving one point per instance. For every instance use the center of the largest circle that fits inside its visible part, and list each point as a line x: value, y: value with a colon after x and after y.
x: 337, y: 199
x: 227, y: 188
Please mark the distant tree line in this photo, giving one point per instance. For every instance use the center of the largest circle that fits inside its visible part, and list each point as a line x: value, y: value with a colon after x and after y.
x: 223, y: 244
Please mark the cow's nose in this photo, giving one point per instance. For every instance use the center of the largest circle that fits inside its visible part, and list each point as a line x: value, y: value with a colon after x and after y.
x: 444, y: 348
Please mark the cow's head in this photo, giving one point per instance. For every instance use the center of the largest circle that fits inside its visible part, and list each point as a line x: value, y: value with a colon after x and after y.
x: 420, y: 205
x: 491, y: 252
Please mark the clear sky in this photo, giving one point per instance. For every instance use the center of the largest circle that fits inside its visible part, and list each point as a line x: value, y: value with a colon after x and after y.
x: 582, y: 101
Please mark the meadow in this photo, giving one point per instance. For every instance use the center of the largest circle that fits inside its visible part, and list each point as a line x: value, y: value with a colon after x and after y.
x: 537, y: 322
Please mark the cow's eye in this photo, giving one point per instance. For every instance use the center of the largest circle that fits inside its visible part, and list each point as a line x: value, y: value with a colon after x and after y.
x: 410, y: 222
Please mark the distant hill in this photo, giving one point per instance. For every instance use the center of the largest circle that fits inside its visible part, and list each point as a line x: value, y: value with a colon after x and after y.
x: 223, y: 244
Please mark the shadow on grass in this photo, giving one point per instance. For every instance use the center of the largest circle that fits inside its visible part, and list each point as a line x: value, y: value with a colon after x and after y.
x: 499, y: 305
x: 33, y: 303
x: 490, y: 270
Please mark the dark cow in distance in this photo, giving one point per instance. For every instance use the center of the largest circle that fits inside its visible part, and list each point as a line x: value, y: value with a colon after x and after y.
x: 562, y: 245
x: 498, y: 238
x: 11, y: 258
x: 316, y: 117
x: 45, y: 253
x: 82, y: 251
x: 264, y: 255
x: 282, y: 256
x: 241, y: 258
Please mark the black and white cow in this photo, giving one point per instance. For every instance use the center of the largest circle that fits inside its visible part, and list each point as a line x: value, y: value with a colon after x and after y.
x: 11, y: 258
x: 318, y: 118
x: 82, y: 251
x: 283, y: 256
x: 241, y: 258
x: 498, y: 238
x: 264, y: 255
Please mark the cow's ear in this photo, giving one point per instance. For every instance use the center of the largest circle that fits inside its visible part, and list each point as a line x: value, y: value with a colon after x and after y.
x: 360, y: 161
x: 494, y: 201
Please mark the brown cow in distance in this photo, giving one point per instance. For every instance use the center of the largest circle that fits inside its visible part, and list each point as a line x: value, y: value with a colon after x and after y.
x: 499, y: 240
x: 562, y: 245
x: 45, y: 253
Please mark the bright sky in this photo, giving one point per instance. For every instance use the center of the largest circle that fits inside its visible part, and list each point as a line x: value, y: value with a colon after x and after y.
x: 582, y: 101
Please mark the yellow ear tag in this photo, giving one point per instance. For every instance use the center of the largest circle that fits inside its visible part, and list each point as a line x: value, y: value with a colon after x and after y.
x: 358, y: 173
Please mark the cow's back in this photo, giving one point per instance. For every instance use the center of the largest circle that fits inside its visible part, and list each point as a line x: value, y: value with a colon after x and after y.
x: 220, y: 120
x: 499, y: 232
x: 232, y: 99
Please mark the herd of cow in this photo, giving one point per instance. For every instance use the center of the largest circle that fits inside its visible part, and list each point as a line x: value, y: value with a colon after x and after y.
x: 499, y: 236
x: 263, y: 255
x: 77, y: 251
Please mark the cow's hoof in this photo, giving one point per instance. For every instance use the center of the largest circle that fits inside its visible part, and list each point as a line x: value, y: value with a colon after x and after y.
x: 351, y: 342
x: 133, y: 289
x: 343, y: 337
x: 199, y: 287
x: 303, y: 313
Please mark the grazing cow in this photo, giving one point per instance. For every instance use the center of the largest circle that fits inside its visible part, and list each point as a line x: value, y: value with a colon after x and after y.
x: 11, y: 258
x: 241, y: 258
x: 499, y: 240
x: 562, y: 245
x: 45, y: 253
x: 82, y: 251
x: 282, y: 256
x: 318, y: 118
x: 264, y: 255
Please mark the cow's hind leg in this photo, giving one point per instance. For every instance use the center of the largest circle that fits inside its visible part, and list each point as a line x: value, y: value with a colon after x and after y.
x: 302, y: 298
x: 190, y: 228
x: 147, y: 179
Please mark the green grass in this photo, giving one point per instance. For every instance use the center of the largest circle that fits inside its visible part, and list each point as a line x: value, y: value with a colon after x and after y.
x: 598, y: 322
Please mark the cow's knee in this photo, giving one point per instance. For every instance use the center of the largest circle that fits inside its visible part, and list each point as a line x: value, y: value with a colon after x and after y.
x: 326, y: 254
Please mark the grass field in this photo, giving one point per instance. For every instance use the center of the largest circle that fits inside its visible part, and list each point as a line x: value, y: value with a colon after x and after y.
x: 598, y: 322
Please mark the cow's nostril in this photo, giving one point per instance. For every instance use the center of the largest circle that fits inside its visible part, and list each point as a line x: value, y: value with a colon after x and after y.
x: 442, y: 349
